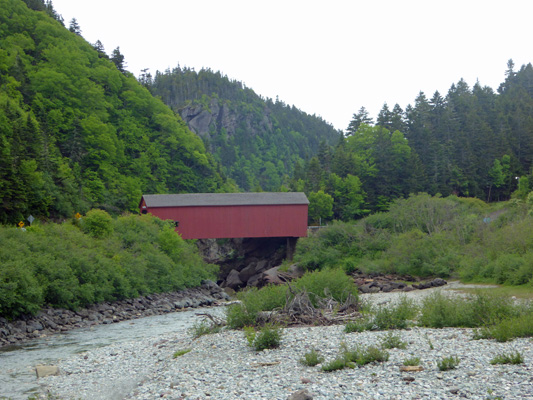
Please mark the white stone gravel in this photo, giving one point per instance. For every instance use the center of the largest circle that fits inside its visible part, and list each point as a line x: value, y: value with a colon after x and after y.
x: 222, y: 366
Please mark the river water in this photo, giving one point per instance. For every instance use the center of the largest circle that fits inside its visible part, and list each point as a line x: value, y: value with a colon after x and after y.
x: 18, y: 380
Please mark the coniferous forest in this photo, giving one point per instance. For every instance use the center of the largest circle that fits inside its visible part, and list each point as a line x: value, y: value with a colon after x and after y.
x: 472, y: 142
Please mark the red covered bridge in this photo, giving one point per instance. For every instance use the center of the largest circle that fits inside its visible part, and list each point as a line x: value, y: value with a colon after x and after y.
x: 231, y: 215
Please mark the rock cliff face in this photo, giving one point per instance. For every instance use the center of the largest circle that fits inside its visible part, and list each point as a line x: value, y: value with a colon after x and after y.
x: 209, y: 122
x: 256, y: 141
x: 243, y: 262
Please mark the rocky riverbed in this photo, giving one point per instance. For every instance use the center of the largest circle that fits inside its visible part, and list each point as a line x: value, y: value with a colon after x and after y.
x: 51, y: 320
x: 222, y: 366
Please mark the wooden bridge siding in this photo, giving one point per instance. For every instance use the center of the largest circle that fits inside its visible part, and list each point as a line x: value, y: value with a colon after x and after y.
x: 216, y: 222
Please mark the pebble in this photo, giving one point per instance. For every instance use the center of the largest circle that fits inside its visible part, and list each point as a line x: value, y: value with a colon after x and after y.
x: 222, y: 366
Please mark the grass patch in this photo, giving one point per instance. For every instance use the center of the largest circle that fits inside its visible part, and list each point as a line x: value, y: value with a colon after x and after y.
x: 334, y: 365
x: 357, y: 357
x: 204, y: 328
x: 312, y: 358
x: 448, y: 363
x: 508, y: 329
x: 511, y: 358
x: 439, y: 310
x: 396, y: 316
x: 363, y: 356
x: 179, y: 353
x: 360, y: 325
x: 392, y: 341
x: 411, y: 362
x: 520, y: 292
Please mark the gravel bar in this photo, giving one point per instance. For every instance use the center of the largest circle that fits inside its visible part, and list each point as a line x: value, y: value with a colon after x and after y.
x: 222, y: 366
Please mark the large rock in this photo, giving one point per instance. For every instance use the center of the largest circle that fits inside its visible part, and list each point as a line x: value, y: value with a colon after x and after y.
x: 254, y: 280
x: 271, y: 276
x: 301, y: 395
x: 438, y: 282
x: 233, y: 281
x: 248, y: 272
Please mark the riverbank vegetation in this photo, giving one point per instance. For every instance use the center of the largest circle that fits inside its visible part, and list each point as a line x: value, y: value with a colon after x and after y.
x: 94, y: 259
x: 427, y: 236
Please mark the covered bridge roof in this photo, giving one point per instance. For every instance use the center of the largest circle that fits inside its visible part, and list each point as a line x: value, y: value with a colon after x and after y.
x: 224, y: 199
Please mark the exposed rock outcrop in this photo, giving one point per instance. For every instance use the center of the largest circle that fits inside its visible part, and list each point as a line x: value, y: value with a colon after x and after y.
x: 243, y: 262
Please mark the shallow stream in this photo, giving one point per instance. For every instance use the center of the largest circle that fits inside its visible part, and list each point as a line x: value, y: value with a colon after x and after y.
x: 18, y: 380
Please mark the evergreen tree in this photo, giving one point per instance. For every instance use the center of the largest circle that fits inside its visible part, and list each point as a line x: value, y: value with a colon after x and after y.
x: 118, y: 60
x: 359, y: 118
x: 385, y: 117
x: 74, y: 27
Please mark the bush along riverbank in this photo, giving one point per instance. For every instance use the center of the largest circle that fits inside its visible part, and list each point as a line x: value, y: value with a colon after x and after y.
x: 53, y: 320
x: 92, y: 260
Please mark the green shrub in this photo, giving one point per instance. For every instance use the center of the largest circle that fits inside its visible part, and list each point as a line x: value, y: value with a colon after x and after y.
x: 440, y: 311
x: 349, y: 265
x: 448, y: 363
x: 511, y: 358
x: 253, y: 301
x: 97, y: 223
x: 363, y: 356
x: 508, y: 329
x: 385, y: 317
x: 268, y: 337
x: 391, y: 341
x: 334, y: 365
x: 204, y: 328
x: 238, y: 317
x: 413, y: 361
x: 312, y: 358
x: 394, y: 317
x: 61, y: 266
x: 20, y: 292
x: 360, y: 325
x: 334, y: 283
x: 325, y: 283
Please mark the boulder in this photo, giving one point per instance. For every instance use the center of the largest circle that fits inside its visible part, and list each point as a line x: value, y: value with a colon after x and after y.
x: 369, y: 288
x: 438, y: 282
x: 254, y: 280
x: 247, y: 272
x: 270, y: 276
x: 262, y: 265
x: 233, y: 280
x: 33, y: 326
x: 295, y: 271
x: 301, y: 395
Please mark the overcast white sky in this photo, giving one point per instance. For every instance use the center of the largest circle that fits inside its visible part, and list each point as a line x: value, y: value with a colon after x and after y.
x: 327, y: 58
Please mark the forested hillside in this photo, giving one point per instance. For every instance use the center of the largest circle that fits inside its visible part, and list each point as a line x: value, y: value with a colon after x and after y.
x: 78, y: 131
x: 473, y: 142
x: 256, y: 141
